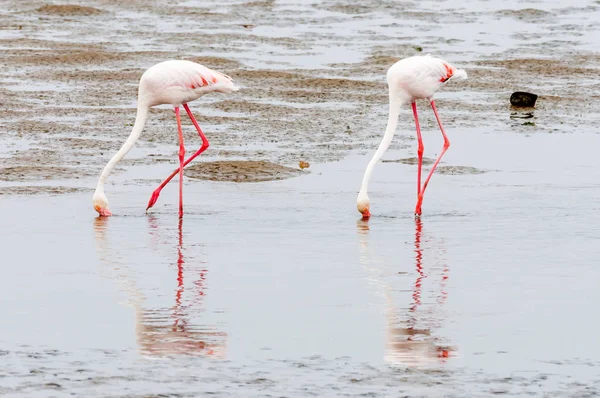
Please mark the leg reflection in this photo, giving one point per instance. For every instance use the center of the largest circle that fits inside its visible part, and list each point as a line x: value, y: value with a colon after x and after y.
x: 179, y: 291
x: 411, y: 334
x: 162, y: 330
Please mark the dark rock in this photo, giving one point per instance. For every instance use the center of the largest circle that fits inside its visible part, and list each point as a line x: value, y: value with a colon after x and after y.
x: 523, y: 99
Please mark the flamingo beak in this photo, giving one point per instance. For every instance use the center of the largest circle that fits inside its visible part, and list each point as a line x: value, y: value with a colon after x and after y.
x: 103, y: 212
x: 366, y: 215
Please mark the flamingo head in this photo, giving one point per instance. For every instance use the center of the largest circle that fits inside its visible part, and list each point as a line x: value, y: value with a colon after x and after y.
x: 101, y: 204
x: 362, y: 204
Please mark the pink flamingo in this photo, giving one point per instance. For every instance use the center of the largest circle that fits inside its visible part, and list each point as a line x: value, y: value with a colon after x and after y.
x: 170, y: 82
x: 408, y: 80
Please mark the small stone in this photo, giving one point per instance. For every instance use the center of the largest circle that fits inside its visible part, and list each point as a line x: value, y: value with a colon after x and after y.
x: 523, y: 99
x: 303, y: 165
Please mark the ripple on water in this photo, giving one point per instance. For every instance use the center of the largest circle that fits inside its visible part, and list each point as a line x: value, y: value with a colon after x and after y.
x: 39, y: 371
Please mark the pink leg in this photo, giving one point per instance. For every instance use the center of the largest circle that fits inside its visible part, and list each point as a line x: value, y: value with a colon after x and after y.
x: 181, y: 160
x: 444, y: 149
x: 419, y: 149
x: 204, y: 146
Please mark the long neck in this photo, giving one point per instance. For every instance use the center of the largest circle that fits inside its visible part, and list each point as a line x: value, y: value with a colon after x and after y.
x: 395, y: 104
x: 140, y: 121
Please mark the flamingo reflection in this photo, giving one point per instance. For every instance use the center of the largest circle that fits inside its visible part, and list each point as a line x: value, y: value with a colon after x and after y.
x: 410, y: 335
x: 164, y: 331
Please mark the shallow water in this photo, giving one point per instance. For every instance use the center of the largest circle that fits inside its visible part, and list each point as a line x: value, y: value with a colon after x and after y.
x: 278, y: 288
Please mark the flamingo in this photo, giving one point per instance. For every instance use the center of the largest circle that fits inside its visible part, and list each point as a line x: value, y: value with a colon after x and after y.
x: 174, y: 82
x: 410, y: 79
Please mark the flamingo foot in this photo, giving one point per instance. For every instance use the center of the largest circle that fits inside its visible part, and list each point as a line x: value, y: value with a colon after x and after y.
x: 153, y: 199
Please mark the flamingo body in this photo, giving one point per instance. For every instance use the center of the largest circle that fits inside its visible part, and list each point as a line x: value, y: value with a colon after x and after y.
x: 178, y: 82
x: 174, y: 82
x: 420, y: 77
x: 410, y: 79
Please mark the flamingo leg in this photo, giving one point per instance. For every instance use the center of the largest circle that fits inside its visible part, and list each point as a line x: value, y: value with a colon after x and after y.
x: 420, y: 148
x: 181, y: 160
x: 444, y: 149
x: 203, y: 148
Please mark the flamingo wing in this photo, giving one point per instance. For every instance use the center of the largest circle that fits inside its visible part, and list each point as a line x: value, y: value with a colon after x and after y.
x: 178, y: 81
x: 193, y: 75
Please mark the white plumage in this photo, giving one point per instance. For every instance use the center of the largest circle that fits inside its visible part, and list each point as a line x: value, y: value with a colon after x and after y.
x: 420, y: 77
x: 178, y: 82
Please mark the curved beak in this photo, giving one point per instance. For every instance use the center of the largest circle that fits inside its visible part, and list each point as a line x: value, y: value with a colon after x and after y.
x: 103, y: 212
x: 366, y: 215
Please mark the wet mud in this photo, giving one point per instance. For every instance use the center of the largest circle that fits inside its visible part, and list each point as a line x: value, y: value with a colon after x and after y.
x: 40, y: 190
x: 241, y: 171
x: 440, y: 169
x: 412, y: 161
x: 83, y: 90
x: 67, y: 9
x: 35, y: 173
x: 458, y: 170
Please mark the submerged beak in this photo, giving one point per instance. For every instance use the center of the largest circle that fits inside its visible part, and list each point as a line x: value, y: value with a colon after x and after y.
x: 103, y: 212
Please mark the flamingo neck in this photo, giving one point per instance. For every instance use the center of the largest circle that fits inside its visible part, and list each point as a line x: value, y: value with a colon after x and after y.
x: 395, y: 105
x: 140, y: 121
